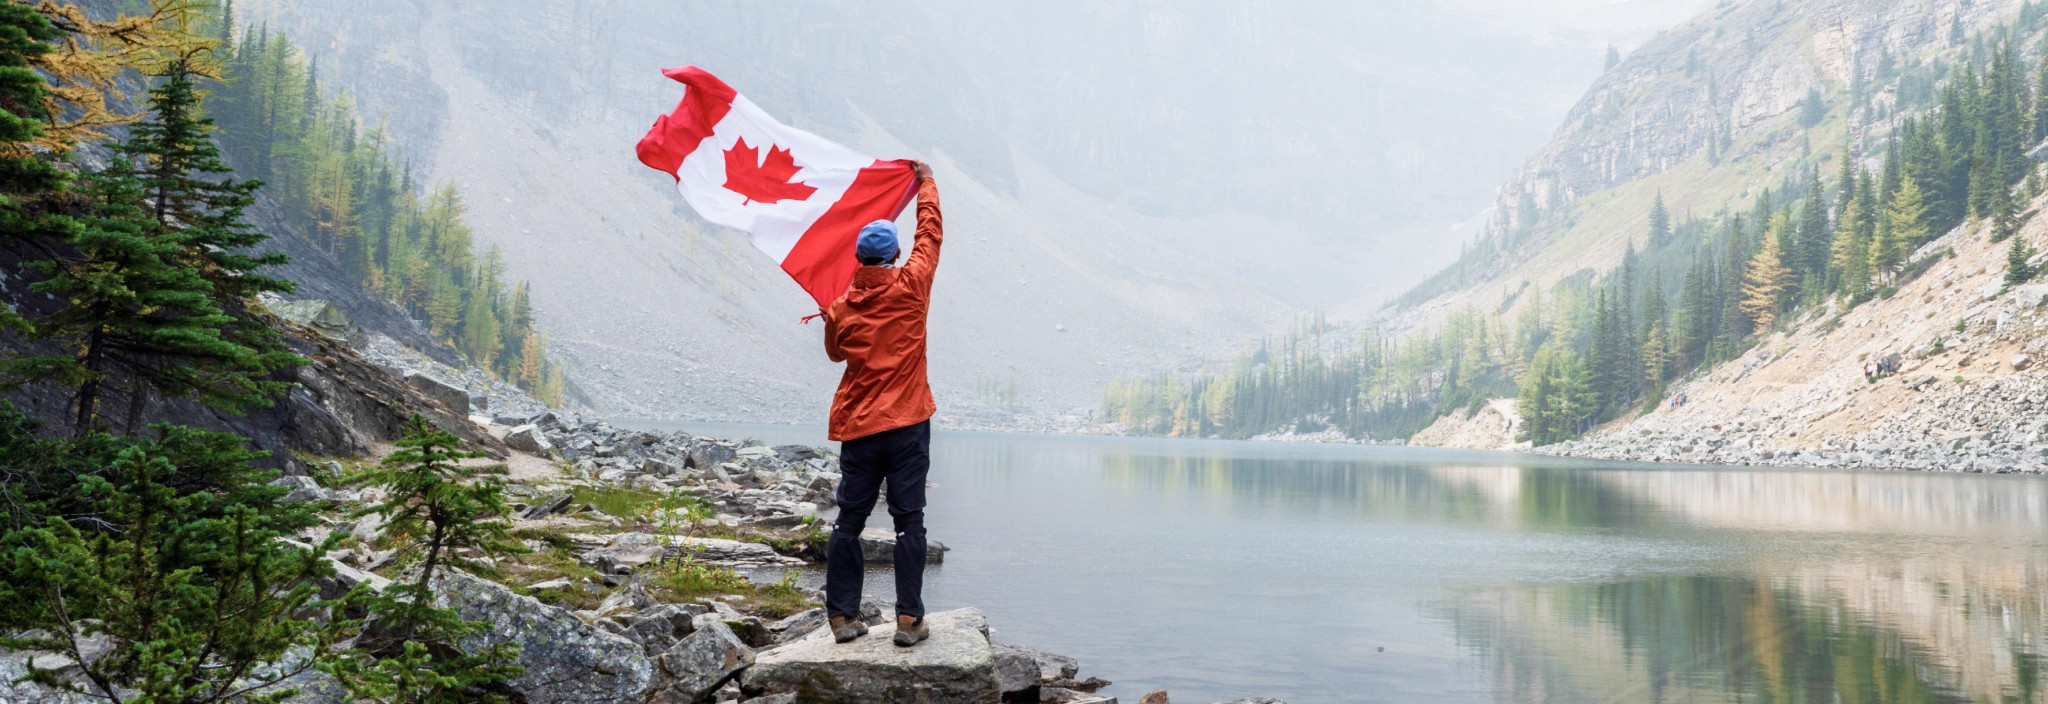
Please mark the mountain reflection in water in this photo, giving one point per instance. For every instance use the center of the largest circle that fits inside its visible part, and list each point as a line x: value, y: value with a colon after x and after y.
x: 1344, y: 573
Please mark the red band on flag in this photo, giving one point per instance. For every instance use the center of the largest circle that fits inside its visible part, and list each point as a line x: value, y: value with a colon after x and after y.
x: 677, y: 134
x: 822, y: 259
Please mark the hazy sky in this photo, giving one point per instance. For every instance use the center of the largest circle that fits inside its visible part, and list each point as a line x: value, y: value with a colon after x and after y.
x: 1624, y: 23
x: 1137, y: 185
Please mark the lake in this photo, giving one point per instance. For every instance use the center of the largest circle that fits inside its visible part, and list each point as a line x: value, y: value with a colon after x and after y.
x: 1337, y: 573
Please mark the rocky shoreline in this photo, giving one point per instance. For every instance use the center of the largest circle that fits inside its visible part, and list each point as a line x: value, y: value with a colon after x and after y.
x: 595, y: 614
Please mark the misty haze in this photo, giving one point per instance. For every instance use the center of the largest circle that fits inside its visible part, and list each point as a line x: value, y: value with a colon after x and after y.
x: 1065, y: 352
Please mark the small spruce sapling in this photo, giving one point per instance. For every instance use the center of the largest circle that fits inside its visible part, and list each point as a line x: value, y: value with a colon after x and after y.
x: 2019, y: 267
x: 442, y: 513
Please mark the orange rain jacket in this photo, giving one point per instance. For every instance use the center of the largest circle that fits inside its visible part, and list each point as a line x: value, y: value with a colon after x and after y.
x: 878, y: 329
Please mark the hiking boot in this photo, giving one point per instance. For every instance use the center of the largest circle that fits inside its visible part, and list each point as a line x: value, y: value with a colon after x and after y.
x: 910, y: 631
x: 845, y: 629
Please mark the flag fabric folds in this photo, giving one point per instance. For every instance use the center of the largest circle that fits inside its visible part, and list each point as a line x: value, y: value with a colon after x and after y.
x: 802, y: 199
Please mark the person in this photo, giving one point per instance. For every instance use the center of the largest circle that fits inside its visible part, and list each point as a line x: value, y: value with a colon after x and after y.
x: 881, y: 415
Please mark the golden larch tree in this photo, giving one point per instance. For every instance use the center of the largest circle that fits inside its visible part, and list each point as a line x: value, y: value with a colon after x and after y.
x: 1764, y: 285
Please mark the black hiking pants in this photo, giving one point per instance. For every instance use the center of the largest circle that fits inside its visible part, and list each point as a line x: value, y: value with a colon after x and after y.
x: 899, y: 458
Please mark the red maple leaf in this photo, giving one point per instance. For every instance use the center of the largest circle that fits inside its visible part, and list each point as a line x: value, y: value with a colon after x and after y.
x: 763, y: 181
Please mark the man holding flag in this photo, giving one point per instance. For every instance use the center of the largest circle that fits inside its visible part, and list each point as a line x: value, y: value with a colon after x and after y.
x: 882, y: 413
x: 803, y: 200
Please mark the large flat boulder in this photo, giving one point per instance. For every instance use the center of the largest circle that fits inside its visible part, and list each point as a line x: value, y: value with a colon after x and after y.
x: 956, y: 666
x: 567, y: 661
x: 449, y: 395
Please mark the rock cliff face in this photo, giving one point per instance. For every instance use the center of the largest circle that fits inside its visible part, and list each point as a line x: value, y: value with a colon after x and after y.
x: 1706, y: 114
x: 1740, y: 71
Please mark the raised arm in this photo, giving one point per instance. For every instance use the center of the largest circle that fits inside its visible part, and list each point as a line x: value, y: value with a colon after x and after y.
x: 924, y: 255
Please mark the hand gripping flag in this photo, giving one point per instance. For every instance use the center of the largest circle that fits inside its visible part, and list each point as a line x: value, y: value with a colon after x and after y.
x: 801, y: 198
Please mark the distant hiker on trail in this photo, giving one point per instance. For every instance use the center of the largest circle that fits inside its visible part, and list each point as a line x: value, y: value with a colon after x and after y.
x: 882, y: 413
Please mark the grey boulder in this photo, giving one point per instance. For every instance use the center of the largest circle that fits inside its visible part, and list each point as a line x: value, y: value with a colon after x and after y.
x: 528, y: 438
x: 566, y: 660
x: 1016, y: 671
x: 455, y: 398
x: 957, y: 664
x: 699, y: 664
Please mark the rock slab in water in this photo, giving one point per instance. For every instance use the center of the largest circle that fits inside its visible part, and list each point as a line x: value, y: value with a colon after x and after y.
x: 567, y: 661
x: 957, y: 664
x: 878, y: 546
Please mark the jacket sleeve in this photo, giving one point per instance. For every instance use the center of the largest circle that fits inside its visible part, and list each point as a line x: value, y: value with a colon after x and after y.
x: 832, y: 350
x: 924, y: 255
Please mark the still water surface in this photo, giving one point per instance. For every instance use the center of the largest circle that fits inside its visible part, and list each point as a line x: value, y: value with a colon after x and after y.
x: 1320, y: 573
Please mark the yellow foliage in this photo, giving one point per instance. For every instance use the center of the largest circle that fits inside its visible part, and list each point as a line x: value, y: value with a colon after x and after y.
x: 85, y: 69
x: 1764, y: 285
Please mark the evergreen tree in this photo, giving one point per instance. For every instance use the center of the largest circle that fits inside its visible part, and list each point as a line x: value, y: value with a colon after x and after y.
x: 441, y: 509
x: 2005, y: 220
x: 1851, y: 257
x: 1539, y: 415
x: 1815, y: 239
x: 1812, y: 110
x: 26, y: 174
x: 134, y: 304
x: 2019, y: 267
x: 170, y: 555
x: 1906, y: 218
x: 1660, y: 223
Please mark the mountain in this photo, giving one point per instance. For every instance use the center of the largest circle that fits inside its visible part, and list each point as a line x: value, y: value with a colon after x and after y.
x: 1732, y: 195
x: 1904, y: 333
x: 1132, y: 187
x: 1738, y: 73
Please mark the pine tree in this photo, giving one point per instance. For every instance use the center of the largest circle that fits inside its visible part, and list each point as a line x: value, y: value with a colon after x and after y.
x: 1851, y: 257
x: 1815, y: 240
x: 2005, y: 220
x: 1907, y: 219
x: 1812, y: 110
x: 169, y: 553
x: 26, y: 174
x: 1536, y: 405
x: 1660, y: 222
x: 190, y: 192
x: 1656, y: 358
x: 442, y: 510
x: 2019, y: 267
x: 134, y: 305
x: 87, y: 72
x: 1764, y: 286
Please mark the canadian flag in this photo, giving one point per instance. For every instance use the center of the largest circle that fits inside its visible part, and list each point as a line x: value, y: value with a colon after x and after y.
x: 801, y: 198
